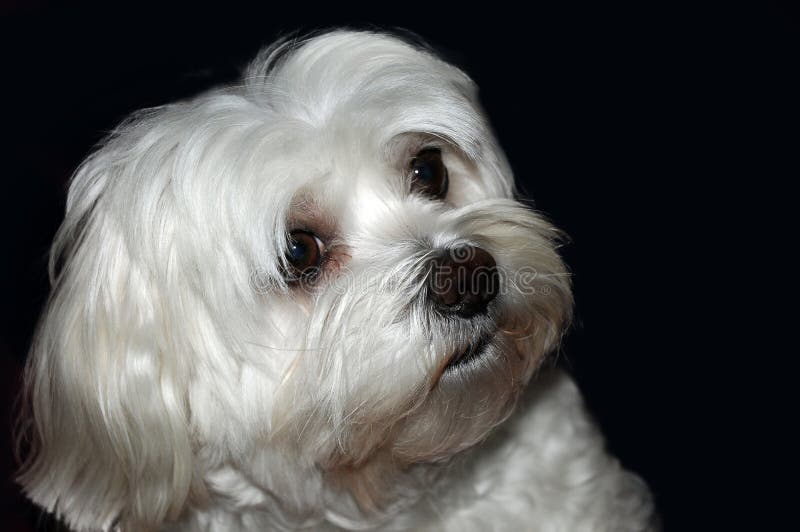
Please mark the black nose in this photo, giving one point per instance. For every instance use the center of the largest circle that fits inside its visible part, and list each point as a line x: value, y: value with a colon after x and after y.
x: 464, y: 281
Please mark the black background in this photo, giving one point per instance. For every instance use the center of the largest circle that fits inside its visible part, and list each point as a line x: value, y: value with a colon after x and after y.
x: 623, y: 122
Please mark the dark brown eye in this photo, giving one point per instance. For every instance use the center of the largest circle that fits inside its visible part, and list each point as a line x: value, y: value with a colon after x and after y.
x: 429, y: 174
x: 304, y: 254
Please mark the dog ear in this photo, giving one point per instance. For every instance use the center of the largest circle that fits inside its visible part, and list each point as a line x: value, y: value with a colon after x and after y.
x: 106, y: 426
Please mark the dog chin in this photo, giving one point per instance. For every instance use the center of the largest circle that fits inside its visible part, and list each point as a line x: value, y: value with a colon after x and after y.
x: 468, y: 357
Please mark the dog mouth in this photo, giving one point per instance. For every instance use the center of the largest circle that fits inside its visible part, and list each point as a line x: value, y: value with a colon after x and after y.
x: 472, y: 352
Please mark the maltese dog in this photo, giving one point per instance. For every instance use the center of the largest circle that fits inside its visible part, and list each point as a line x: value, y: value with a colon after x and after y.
x: 309, y: 300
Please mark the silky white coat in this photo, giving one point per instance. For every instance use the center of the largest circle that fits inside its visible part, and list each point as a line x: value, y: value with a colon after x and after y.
x: 178, y: 382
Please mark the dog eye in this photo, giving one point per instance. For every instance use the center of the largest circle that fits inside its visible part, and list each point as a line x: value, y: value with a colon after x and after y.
x: 304, y: 254
x: 429, y: 174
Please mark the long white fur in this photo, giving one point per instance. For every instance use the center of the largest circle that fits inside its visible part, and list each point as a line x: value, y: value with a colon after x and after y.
x: 177, y: 382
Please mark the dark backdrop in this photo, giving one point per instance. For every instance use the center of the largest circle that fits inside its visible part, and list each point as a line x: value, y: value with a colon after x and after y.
x: 613, y: 119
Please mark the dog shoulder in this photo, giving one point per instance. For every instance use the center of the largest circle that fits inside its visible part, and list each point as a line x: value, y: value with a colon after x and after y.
x: 547, y: 469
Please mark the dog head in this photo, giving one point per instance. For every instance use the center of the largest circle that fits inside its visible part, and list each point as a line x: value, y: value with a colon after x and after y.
x: 326, y: 260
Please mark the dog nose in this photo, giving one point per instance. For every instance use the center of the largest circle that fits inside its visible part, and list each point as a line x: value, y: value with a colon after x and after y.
x: 464, y: 281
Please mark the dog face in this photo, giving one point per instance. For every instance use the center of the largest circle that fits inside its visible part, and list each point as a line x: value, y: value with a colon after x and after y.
x: 326, y: 261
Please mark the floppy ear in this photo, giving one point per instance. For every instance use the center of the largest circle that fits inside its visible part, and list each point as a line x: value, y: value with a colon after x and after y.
x: 106, y: 416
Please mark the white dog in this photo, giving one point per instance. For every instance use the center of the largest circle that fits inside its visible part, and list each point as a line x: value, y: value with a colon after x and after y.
x: 310, y: 300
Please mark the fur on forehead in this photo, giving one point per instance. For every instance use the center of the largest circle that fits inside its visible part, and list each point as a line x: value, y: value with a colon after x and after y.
x: 373, y: 85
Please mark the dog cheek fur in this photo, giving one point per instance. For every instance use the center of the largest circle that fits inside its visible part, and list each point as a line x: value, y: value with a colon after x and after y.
x: 150, y: 297
x: 109, y: 436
